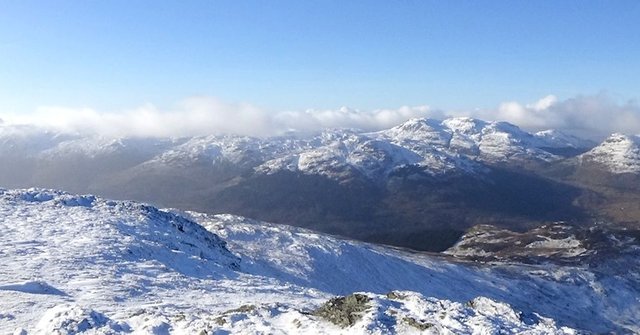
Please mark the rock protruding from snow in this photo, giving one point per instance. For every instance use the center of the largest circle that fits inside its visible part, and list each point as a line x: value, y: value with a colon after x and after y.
x: 618, y: 154
x: 398, y: 312
x: 548, y: 243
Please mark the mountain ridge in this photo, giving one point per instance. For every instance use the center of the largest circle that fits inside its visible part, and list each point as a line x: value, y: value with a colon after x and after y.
x: 420, y: 184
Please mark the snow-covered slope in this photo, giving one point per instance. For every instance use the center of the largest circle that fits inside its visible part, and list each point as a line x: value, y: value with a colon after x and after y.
x: 59, y: 249
x: 341, y: 266
x: 81, y: 263
x: 99, y: 146
x: 437, y: 147
x: 618, y: 154
x: 553, y: 138
x: 486, y: 141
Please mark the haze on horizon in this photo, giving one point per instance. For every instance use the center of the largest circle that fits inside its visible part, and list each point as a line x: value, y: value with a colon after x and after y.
x: 254, y: 68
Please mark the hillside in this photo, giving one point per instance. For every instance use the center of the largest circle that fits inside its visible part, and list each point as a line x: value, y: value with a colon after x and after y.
x: 81, y: 263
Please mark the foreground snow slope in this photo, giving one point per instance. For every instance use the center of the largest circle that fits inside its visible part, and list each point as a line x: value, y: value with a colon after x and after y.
x: 597, y: 299
x: 79, y: 263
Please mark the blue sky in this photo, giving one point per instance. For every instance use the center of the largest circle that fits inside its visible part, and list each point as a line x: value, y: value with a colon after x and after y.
x: 294, y: 55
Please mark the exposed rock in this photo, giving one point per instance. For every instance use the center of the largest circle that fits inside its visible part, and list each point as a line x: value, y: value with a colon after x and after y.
x: 344, y: 311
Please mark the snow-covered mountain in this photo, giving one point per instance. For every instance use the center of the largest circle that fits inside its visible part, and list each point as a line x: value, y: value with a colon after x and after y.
x: 485, y: 141
x: 617, y: 154
x: 435, y: 146
x: 73, y: 264
x: 434, y: 177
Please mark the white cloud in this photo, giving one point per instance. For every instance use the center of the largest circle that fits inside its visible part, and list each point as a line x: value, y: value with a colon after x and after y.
x: 592, y: 116
x: 206, y: 115
x: 313, y: 120
x: 193, y: 116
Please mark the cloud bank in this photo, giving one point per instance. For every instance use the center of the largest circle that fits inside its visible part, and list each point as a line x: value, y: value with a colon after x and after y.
x: 593, y: 116
x: 206, y: 115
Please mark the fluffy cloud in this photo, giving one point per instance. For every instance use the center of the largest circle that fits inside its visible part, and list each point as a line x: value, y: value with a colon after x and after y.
x: 313, y: 120
x: 592, y: 116
x: 205, y: 115
x: 193, y: 116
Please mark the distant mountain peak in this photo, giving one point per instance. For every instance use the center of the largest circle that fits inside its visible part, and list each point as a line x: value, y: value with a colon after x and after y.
x: 619, y: 153
x: 465, y: 124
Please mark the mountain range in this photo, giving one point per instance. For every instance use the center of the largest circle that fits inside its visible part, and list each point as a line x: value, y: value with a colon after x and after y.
x: 535, y: 233
x: 422, y: 184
